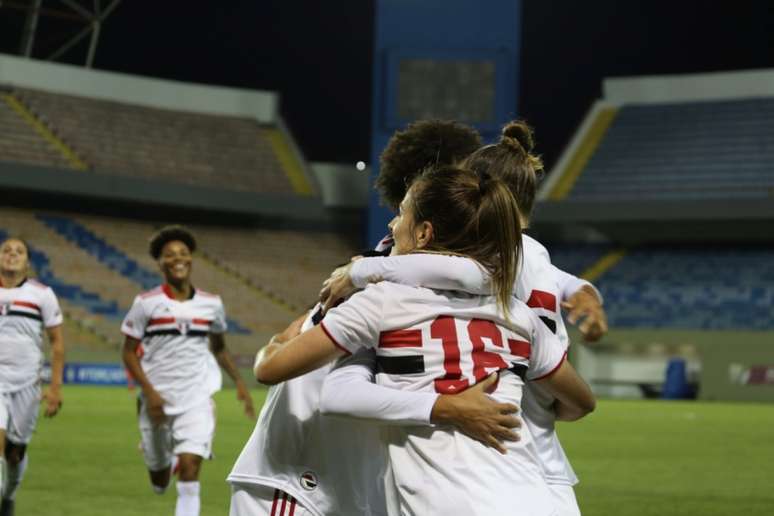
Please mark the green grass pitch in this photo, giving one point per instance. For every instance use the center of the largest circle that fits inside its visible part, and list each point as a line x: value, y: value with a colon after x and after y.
x: 635, y: 458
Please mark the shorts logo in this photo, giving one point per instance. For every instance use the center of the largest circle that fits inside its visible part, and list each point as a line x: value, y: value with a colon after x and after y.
x: 308, y: 480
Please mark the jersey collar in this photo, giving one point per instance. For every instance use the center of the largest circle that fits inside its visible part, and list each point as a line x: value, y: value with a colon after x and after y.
x: 17, y: 286
x: 168, y: 291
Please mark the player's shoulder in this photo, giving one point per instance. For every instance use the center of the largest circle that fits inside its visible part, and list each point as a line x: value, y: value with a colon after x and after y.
x: 532, y: 246
x: 154, y: 292
x: 37, y: 284
x: 207, y: 295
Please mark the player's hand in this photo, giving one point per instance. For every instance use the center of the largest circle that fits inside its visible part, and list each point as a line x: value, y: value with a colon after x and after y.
x: 585, y: 306
x: 53, y: 400
x: 154, y: 403
x: 243, y: 395
x: 477, y: 415
x: 339, y: 286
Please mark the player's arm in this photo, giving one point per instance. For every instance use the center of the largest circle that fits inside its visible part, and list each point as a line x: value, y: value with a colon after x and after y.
x: 226, y: 362
x: 349, y: 390
x: 427, y: 270
x: 583, y: 303
x: 280, y: 361
x: 153, y: 400
x: 53, y: 395
x: 574, y: 398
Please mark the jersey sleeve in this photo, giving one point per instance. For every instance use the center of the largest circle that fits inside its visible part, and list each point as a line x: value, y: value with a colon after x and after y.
x: 436, y: 271
x: 570, y: 284
x: 547, y: 352
x: 349, y: 390
x: 356, y: 323
x: 219, y: 324
x: 50, y: 310
x: 135, y: 321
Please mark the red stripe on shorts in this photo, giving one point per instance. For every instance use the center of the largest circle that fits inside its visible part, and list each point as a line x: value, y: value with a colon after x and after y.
x: 274, y: 503
x: 284, y: 501
x: 292, y: 506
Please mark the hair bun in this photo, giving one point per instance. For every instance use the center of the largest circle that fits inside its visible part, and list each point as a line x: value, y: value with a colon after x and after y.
x: 518, y: 130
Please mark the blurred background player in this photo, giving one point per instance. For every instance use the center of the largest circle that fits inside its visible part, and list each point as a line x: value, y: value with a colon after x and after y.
x: 444, y: 342
x: 27, y: 308
x: 540, y: 285
x: 180, y: 328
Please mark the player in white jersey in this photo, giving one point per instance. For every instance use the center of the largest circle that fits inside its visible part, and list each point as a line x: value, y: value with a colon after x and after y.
x: 28, y: 309
x: 180, y: 328
x: 435, y: 341
x: 297, y: 455
x: 540, y: 284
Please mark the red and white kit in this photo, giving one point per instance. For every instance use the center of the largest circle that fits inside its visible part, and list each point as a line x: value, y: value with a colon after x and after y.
x: 178, y: 363
x: 443, y: 342
x: 25, y: 312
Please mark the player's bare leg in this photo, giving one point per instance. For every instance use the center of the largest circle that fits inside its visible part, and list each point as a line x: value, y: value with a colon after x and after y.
x: 16, y: 459
x: 160, y: 479
x: 188, y: 485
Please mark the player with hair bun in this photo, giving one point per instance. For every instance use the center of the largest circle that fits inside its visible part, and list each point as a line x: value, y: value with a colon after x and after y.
x: 180, y: 329
x: 27, y: 308
x: 540, y: 284
x: 441, y: 342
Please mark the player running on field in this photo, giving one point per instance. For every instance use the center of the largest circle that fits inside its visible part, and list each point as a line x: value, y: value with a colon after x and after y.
x: 541, y: 285
x: 438, y: 341
x: 180, y: 328
x: 27, y: 310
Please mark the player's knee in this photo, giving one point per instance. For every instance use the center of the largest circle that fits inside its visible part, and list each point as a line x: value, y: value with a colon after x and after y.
x: 189, y: 466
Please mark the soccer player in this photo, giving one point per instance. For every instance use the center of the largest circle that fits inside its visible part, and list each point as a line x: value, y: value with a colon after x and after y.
x: 27, y: 308
x: 180, y: 328
x: 296, y: 459
x: 540, y: 284
x: 444, y: 342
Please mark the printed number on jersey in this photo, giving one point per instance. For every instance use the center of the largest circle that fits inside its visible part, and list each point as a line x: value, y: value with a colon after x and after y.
x: 467, y: 350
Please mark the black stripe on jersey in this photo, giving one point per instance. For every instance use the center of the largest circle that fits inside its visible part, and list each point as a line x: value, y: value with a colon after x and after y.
x: 24, y: 314
x: 519, y: 370
x: 411, y: 364
x: 192, y: 333
x: 549, y: 322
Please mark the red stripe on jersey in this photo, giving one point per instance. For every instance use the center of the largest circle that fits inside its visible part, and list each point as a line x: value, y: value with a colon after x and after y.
x: 206, y: 322
x: 26, y: 304
x: 401, y: 339
x: 284, y: 501
x: 552, y: 371
x: 520, y: 348
x: 292, y: 506
x: 541, y: 299
x: 274, y: 503
x: 161, y: 320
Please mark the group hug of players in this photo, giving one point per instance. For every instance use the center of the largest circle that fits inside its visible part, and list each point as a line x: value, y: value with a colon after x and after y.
x: 426, y: 381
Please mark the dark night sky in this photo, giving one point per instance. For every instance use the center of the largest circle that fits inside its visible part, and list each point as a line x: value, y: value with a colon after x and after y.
x: 318, y: 54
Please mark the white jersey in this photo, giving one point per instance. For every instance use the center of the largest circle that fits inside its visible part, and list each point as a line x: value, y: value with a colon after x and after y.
x: 445, y: 342
x: 332, y: 466
x: 24, y: 313
x: 176, y: 349
x: 539, y: 284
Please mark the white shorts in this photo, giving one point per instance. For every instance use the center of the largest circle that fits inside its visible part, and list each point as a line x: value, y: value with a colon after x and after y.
x: 189, y: 432
x: 564, y: 500
x: 255, y: 500
x: 19, y: 413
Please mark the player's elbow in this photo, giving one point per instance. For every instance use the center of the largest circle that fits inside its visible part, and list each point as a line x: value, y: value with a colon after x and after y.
x: 265, y: 374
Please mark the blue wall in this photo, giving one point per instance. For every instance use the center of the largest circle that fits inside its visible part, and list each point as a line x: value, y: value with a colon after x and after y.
x: 439, y: 30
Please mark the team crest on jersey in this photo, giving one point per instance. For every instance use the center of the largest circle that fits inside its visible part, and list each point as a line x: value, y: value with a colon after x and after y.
x: 308, y: 480
x: 183, y: 327
x: 4, y: 308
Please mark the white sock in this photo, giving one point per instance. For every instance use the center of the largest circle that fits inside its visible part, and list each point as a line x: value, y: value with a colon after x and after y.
x: 15, y: 476
x: 187, y: 499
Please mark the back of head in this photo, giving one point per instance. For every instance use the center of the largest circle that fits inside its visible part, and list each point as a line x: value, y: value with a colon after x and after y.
x: 421, y: 145
x: 474, y: 215
x: 511, y: 160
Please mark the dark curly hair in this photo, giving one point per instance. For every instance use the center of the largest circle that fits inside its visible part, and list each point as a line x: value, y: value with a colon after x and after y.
x: 168, y: 234
x: 420, y: 145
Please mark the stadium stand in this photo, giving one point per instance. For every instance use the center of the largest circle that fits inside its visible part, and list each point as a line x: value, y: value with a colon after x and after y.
x: 196, y: 149
x: 688, y: 150
x: 20, y: 142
